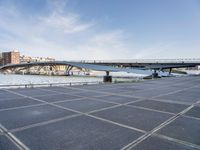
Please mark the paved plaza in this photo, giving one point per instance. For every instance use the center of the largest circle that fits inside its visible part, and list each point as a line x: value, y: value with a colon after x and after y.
x: 161, y: 114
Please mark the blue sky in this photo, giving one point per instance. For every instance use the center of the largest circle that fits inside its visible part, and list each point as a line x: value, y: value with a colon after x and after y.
x: 101, y: 29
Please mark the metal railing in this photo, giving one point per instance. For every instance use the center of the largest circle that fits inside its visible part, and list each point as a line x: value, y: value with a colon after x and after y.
x: 184, y: 60
x: 49, y: 84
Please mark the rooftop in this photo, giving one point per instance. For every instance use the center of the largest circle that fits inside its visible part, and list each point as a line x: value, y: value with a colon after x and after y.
x: 161, y: 114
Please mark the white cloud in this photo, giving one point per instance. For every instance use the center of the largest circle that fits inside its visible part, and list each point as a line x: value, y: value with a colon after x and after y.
x: 154, y: 51
x: 63, y: 21
x: 64, y: 35
x: 69, y: 23
x: 59, y: 34
x: 105, y: 45
x: 57, y: 5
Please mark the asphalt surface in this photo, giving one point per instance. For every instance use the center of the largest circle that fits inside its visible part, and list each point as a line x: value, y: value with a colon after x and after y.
x: 162, y: 114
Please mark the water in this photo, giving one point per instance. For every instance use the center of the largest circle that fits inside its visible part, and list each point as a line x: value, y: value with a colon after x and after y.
x: 11, y: 79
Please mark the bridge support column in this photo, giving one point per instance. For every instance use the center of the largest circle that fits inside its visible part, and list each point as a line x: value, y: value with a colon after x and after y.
x: 68, y: 69
x: 155, y: 74
x: 107, y: 78
x: 170, y: 71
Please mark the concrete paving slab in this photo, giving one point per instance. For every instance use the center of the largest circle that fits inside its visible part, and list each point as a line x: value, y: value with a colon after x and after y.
x: 32, y: 91
x: 93, y: 87
x: 11, y: 103
x: 77, y: 134
x: 150, y: 93
x: 3, y: 92
x: 161, y: 106
x: 85, y: 105
x: 62, y: 89
x: 134, y: 117
x: 9, y: 96
x: 117, y: 99
x: 181, y: 97
x: 57, y: 97
x: 183, y: 128
x: 6, y: 144
x: 90, y: 94
x: 193, y: 90
x: 17, y: 118
x: 155, y: 143
x: 118, y: 90
x: 194, y: 112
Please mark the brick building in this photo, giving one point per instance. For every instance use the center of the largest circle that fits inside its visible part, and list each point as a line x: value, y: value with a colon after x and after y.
x: 1, y: 63
x: 12, y: 57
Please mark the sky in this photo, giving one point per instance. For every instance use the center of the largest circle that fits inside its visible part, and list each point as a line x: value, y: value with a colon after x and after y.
x: 101, y: 29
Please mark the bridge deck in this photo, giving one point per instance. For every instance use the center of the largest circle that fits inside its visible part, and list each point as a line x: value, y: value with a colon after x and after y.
x: 154, y: 115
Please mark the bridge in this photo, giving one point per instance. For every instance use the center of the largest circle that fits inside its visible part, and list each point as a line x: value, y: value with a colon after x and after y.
x: 130, y: 66
x: 155, y: 64
x: 69, y: 67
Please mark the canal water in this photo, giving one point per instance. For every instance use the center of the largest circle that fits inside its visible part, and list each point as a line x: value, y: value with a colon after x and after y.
x: 12, y: 79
